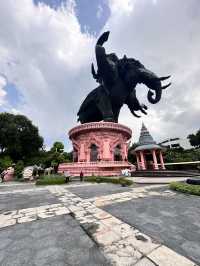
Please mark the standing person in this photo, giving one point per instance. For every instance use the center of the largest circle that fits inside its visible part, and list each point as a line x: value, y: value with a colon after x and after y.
x: 3, y: 175
x: 81, y: 176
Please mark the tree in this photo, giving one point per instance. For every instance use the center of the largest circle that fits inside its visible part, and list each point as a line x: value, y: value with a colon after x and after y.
x: 19, y: 138
x: 58, y: 147
x: 131, y: 156
x: 5, y: 162
x: 195, y: 139
x: 19, y: 167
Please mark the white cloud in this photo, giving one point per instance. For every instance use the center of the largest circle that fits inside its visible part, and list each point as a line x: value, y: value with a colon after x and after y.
x: 164, y: 36
x: 2, y: 90
x: 121, y: 6
x: 45, y: 54
x: 99, y: 11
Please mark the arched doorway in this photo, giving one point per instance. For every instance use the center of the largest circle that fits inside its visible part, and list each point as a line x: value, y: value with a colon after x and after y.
x: 148, y: 158
x: 117, y: 153
x: 93, y: 153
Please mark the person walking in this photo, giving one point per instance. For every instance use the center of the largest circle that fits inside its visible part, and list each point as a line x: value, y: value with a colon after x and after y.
x: 81, y: 176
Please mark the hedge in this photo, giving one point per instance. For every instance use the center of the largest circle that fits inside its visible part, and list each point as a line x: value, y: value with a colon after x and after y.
x: 101, y: 179
x: 186, y: 188
x: 51, y: 180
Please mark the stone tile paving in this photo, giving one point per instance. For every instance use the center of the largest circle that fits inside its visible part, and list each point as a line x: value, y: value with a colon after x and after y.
x: 97, y: 190
x: 15, y: 186
x: 56, y: 241
x: 173, y: 220
x: 26, y: 199
x: 134, y: 193
x: 121, y: 243
x: 31, y: 214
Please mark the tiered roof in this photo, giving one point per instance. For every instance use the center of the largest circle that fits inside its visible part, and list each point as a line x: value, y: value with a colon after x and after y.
x: 146, y: 141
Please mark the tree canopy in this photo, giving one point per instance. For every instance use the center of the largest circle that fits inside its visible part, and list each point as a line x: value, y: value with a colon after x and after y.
x: 19, y: 138
x: 195, y: 139
x: 58, y: 147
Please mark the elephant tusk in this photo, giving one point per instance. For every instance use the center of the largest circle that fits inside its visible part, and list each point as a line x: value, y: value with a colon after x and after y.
x: 164, y: 78
x: 165, y: 86
x: 138, y: 116
x: 143, y: 111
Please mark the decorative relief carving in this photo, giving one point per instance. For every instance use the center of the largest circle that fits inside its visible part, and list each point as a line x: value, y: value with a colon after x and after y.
x: 105, y: 135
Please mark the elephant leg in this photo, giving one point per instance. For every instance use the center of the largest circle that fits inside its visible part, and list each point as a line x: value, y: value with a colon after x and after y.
x: 105, y: 107
x: 116, y: 112
x: 134, y: 105
x: 91, y: 114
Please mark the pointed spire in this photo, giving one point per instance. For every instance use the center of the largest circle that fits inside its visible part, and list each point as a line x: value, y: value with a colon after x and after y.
x: 145, y: 137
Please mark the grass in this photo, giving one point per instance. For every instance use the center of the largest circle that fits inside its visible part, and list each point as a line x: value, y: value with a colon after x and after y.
x: 186, y: 188
x: 100, y: 179
x: 51, y: 180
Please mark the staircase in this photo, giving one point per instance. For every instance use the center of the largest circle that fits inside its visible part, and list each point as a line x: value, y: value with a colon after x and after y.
x: 164, y: 173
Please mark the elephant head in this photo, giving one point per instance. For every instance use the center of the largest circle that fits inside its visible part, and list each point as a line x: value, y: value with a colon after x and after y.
x: 133, y: 72
x: 153, y: 83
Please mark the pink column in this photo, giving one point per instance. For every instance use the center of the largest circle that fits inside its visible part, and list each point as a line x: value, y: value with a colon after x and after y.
x: 106, y: 156
x: 155, y: 160
x: 82, y: 157
x: 161, y: 161
x: 138, y: 161
x: 142, y: 160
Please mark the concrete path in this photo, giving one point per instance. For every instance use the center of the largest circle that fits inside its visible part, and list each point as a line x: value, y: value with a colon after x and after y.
x: 67, y: 226
x: 156, y: 180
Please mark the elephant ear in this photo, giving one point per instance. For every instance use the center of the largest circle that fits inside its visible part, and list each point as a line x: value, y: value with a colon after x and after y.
x: 103, y: 38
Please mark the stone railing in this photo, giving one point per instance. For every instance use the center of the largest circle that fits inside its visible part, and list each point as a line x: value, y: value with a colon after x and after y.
x: 100, y: 125
x: 99, y: 163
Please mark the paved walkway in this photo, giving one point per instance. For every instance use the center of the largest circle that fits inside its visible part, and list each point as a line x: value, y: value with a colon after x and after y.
x: 157, y: 180
x: 67, y: 226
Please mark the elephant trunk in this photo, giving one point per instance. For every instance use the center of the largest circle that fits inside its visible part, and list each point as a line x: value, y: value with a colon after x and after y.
x: 154, y: 84
x: 154, y: 96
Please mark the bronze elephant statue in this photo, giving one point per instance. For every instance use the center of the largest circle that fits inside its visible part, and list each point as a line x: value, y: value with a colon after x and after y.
x: 118, y: 79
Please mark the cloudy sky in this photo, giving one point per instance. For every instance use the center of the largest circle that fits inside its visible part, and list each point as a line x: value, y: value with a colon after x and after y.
x: 47, y: 46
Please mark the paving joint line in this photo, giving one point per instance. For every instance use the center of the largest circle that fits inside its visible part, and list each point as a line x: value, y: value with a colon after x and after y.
x: 118, y: 248
x: 117, y: 240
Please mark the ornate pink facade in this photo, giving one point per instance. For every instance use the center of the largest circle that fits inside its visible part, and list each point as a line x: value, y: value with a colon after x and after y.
x: 100, y: 148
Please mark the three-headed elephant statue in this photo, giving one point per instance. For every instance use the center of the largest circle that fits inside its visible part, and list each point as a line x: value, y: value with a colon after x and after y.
x: 117, y: 80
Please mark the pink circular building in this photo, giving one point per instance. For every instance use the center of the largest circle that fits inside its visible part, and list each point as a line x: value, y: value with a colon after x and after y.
x: 99, y: 148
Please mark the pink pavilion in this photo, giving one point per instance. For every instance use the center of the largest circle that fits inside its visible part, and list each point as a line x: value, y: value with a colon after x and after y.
x: 99, y: 148
x: 148, y: 153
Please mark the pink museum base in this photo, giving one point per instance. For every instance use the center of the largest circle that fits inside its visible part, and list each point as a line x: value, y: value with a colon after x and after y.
x: 110, y: 141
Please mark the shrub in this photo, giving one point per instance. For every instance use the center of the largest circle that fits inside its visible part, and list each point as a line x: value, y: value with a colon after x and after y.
x: 186, y: 188
x: 5, y: 162
x: 18, y: 169
x: 113, y: 180
x: 51, y: 180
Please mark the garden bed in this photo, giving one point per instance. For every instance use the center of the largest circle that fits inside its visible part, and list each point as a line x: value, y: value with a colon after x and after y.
x: 114, y: 180
x: 51, y: 180
x: 185, y: 188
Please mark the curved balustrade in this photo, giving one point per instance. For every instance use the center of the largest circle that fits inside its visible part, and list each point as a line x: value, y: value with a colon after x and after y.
x: 100, y: 125
x: 106, y: 136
